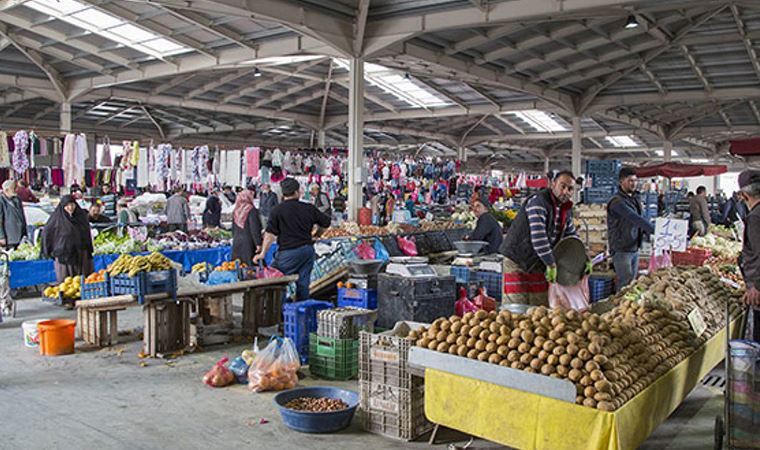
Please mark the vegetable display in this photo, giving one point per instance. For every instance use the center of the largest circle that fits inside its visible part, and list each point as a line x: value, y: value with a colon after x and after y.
x: 720, y: 246
x: 25, y: 252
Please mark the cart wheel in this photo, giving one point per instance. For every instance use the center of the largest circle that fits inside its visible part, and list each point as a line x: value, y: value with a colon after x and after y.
x: 719, y: 430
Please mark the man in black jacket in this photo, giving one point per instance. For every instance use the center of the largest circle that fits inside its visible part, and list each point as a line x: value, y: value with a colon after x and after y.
x: 487, y: 228
x: 12, y: 218
x: 626, y: 228
x: 749, y: 183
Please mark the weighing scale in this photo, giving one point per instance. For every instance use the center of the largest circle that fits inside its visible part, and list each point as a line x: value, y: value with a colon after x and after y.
x: 468, y: 256
x: 410, y: 267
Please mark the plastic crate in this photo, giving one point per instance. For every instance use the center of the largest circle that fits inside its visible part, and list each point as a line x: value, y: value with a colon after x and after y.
x: 394, y: 412
x: 384, y: 358
x: 462, y: 274
x: 456, y: 234
x: 492, y: 281
x: 600, y: 287
x: 414, y: 299
x: 100, y: 289
x: 743, y: 393
x: 299, y: 320
x: 602, y: 167
x: 345, y: 323
x: 146, y: 283
x: 359, y: 298
x: 691, y: 257
x: 598, y: 195
x: 333, y: 359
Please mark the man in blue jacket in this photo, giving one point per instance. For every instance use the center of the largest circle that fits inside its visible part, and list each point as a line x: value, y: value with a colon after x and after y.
x: 626, y: 228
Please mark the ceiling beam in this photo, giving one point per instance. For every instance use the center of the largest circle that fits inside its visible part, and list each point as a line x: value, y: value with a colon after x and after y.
x: 262, y: 84
x: 438, y: 90
x: 360, y: 26
x: 608, y: 101
x: 707, y: 111
x: 301, y: 100
x: 210, y: 86
x: 287, y: 92
x: 741, y: 26
x: 208, y: 25
x: 695, y: 67
x: 56, y: 80
x: 155, y: 122
x: 323, y: 108
x: 509, y: 123
x: 116, y: 114
x: 13, y: 97
x: 172, y: 83
x: 490, y: 35
x: 660, y: 88
x: 639, y: 124
x: 447, y: 138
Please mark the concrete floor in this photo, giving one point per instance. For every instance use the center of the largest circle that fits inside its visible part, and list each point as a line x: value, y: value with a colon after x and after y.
x: 111, y: 399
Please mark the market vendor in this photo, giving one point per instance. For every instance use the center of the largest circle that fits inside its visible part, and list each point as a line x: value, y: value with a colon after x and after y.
x: 749, y: 183
x: 626, y: 227
x: 24, y: 193
x: 95, y: 214
x: 544, y: 220
x: 487, y: 228
x: 125, y: 216
x: 699, y: 212
x: 291, y: 224
x: 227, y: 192
x: 178, y: 211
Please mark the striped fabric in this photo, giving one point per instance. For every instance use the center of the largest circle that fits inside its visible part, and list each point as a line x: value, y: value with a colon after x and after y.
x: 542, y: 243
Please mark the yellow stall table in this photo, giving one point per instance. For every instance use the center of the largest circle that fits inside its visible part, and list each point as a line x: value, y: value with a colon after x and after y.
x: 527, y: 420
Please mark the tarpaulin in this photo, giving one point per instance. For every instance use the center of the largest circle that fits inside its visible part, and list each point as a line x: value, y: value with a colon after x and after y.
x: 745, y: 147
x: 679, y: 170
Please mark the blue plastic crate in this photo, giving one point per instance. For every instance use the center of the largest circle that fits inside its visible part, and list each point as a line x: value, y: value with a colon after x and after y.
x: 601, y: 167
x: 600, y: 287
x: 598, y: 195
x: 146, y: 283
x: 492, y: 281
x: 462, y: 274
x: 95, y: 290
x: 300, y: 319
x: 360, y: 298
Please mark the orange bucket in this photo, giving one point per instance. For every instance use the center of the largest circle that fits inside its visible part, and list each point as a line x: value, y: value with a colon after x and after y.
x: 56, y: 337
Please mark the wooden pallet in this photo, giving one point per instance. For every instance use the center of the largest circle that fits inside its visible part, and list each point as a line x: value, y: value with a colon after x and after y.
x: 167, y: 326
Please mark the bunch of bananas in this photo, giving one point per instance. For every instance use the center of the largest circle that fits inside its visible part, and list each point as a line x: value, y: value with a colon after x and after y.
x: 132, y: 265
x: 200, y: 267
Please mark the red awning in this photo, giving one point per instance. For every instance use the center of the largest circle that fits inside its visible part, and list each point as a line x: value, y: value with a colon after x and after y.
x: 678, y: 170
x: 745, y: 147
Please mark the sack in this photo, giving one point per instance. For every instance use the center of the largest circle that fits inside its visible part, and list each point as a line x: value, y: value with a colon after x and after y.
x: 407, y: 246
x: 464, y: 305
x: 239, y: 368
x: 365, y: 251
x: 219, y: 375
x: 275, y: 368
x: 569, y: 297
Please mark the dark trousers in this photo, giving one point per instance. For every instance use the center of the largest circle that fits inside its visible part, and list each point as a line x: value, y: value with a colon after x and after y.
x: 299, y: 261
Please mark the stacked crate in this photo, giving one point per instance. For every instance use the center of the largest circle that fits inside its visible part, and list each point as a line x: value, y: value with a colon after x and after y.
x: 591, y: 224
x: 300, y: 319
x: 604, y: 180
x: 649, y: 205
x: 392, y: 396
x: 334, y: 348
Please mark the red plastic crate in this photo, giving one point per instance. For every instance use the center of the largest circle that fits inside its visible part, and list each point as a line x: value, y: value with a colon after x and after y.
x: 691, y: 257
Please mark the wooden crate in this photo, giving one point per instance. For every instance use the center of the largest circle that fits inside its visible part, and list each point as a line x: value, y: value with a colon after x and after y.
x: 262, y: 307
x: 98, y: 326
x: 167, y: 326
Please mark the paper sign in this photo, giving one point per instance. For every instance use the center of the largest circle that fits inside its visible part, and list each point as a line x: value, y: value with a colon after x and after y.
x: 670, y: 234
x: 697, y: 322
x: 739, y: 231
x: 730, y: 283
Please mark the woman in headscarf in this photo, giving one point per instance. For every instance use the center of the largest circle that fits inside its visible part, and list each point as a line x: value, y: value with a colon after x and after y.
x: 66, y: 238
x: 212, y: 215
x: 246, y: 228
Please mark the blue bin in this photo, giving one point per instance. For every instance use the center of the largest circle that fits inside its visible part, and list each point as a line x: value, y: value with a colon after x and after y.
x: 600, y: 287
x: 300, y: 319
x: 359, y: 298
x: 317, y: 422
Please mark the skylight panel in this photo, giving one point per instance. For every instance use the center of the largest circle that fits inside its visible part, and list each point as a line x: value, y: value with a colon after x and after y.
x: 622, y: 141
x: 540, y: 121
x: 109, y: 26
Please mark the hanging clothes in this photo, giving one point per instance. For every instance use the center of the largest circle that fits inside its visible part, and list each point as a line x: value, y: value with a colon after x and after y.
x: 143, y: 171
x: 68, y: 163
x: 252, y: 157
x: 232, y: 176
x: 21, y: 144
x: 105, y: 158
x: 4, y: 149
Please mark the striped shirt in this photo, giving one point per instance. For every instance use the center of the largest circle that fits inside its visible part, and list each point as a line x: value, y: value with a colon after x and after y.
x: 542, y: 242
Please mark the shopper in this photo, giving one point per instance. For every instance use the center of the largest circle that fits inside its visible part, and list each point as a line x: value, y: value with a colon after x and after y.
x: 66, y: 238
x: 626, y: 228
x: 124, y: 214
x: 24, y: 193
x: 177, y: 211
x: 108, y: 200
x: 749, y: 183
x: 487, y: 228
x: 734, y: 210
x: 699, y: 212
x: 291, y: 224
x: 246, y: 228
x: 544, y: 220
x: 267, y: 202
x: 321, y: 200
x: 212, y: 215
x: 95, y: 216
x: 227, y: 191
x: 12, y: 218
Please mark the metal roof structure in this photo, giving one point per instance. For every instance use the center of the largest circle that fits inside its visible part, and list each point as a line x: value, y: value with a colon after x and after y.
x: 502, y: 79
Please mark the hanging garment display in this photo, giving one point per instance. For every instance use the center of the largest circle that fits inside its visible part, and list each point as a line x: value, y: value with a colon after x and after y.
x: 143, y: 171
x: 21, y: 144
x: 105, y: 158
x: 252, y: 155
x: 126, y: 155
x: 232, y: 175
x: 222, y: 169
x: 81, y: 155
x: 4, y: 157
x: 68, y: 162
x: 161, y: 165
x: 200, y: 160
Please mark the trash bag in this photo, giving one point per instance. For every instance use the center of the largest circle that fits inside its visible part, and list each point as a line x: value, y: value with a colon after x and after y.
x: 276, y: 367
x: 407, y: 245
x: 570, y: 297
x: 219, y: 375
x: 239, y: 368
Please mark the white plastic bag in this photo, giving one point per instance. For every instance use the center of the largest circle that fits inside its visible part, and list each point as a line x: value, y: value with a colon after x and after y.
x: 569, y: 297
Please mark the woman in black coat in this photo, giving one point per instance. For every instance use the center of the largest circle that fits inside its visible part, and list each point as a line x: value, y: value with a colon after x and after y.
x: 246, y: 228
x: 66, y: 238
x: 212, y: 215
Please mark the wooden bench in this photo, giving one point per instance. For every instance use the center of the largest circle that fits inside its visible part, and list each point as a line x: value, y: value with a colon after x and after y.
x: 97, y: 320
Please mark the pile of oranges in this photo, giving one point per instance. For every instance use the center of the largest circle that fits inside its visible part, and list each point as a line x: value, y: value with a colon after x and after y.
x: 230, y: 265
x: 348, y: 285
x: 96, y: 277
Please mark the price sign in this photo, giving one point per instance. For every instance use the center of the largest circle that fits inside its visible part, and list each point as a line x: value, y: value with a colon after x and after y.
x: 670, y: 234
x: 739, y: 233
x: 696, y: 321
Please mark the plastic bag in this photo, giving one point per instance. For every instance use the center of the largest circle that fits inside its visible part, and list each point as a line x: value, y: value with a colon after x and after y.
x: 365, y: 251
x: 380, y: 251
x: 407, y: 245
x: 268, y: 272
x: 659, y: 262
x: 464, y: 305
x: 222, y: 277
x: 275, y: 368
x: 239, y: 368
x: 219, y: 375
x: 483, y: 301
x: 570, y: 297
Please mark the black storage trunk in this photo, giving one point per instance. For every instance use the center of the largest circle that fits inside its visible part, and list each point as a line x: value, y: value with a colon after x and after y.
x: 415, y: 299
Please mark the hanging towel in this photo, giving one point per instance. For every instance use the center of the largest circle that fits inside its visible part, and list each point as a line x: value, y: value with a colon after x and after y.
x: 252, y: 155
x: 234, y: 163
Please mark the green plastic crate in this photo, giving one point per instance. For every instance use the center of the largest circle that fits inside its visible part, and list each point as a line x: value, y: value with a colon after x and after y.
x: 333, y: 359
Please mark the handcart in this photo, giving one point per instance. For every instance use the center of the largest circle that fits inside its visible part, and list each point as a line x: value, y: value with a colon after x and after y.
x: 738, y: 424
x: 7, y: 305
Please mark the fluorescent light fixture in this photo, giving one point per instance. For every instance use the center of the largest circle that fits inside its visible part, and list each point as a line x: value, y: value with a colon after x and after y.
x: 109, y: 26
x: 631, y: 22
x: 539, y: 120
x: 622, y: 141
x: 700, y: 160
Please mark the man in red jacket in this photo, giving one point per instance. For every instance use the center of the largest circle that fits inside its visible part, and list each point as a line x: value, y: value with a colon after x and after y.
x: 24, y: 193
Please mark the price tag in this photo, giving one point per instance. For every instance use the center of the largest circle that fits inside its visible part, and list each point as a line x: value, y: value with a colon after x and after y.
x: 696, y: 321
x: 730, y: 283
x: 670, y: 234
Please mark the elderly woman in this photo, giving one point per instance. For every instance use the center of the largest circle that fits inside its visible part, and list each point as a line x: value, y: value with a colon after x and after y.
x: 66, y: 238
x: 246, y: 228
x: 12, y: 219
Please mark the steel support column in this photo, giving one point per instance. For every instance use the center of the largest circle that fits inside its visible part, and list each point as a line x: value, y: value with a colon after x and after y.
x: 65, y: 117
x: 546, y: 165
x: 667, y: 150
x: 355, y: 136
x: 576, y: 152
x: 321, y: 138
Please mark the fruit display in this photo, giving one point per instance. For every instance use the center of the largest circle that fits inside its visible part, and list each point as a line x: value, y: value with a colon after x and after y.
x: 609, y: 357
x: 199, y: 267
x: 96, y: 277
x: 132, y: 265
x: 230, y: 265
x: 69, y: 289
x: 720, y: 246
